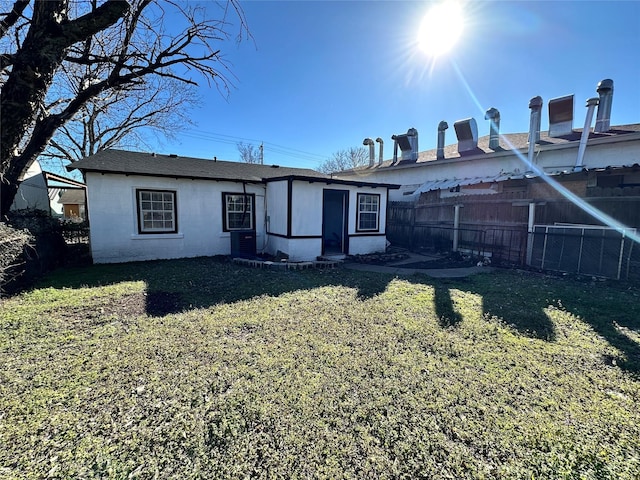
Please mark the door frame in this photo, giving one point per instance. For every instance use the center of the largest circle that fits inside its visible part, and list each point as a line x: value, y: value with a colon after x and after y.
x: 344, y: 210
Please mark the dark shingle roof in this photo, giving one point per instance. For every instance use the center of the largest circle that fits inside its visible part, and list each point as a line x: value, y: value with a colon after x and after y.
x: 510, y: 142
x: 126, y: 162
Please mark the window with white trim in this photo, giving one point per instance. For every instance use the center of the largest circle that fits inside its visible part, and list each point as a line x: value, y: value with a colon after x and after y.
x: 156, y: 211
x: 368, y: 212
x: 238, y: 211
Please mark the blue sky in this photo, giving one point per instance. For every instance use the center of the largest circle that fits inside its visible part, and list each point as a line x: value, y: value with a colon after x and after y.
x: 320, y: 76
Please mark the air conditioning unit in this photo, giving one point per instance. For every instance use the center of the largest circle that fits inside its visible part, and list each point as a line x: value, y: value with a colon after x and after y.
x: 243, y: 244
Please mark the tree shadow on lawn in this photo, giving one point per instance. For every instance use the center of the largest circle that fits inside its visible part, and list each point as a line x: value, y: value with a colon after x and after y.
x: 174, y: 286
x: 518, y: 299
x: 524, y: 313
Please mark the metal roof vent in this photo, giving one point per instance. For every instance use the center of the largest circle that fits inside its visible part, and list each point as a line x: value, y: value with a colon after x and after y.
x: 603, y: 117
x: 408, y: 143
x: 372, y: 155
x: 494, y: 127
x: 535, y: 104
x: 442, y: 126
x: 467, y: 133
x: 561, y: 116
x: 380, y: 157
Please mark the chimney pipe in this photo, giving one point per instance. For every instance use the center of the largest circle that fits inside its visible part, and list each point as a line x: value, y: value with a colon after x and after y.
x: 535, y: 104
x: 442, y: 126
x: 380, y: 157
x: 603, y: 118
x: 412, y: 134
x: 494, y: 127
x: 372, y: 155
x: 591, y: 106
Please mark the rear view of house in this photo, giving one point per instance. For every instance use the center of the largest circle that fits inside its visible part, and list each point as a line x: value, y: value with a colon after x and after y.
x: 144, y: 206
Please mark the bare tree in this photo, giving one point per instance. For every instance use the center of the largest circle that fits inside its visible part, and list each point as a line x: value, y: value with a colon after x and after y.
x: 249, y: 153
x: 119, y: 44
x: 345, y: 160
x: 123, y: 119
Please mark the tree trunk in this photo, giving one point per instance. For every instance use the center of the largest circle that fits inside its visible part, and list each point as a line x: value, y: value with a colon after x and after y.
x: 32, y: 71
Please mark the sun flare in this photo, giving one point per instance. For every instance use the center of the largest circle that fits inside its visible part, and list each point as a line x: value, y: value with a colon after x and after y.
x: 441, y: 28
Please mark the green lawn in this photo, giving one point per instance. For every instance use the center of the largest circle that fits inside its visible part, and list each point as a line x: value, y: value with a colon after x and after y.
x: 202, y: 369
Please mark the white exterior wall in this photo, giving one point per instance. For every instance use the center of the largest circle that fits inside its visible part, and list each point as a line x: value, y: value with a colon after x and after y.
x: 307, y: 208
x: 277, y: 207
x: 307, y: 199
x: 298, y: 249
x: 114, y: 224
x: 32, y: 192
x: 362, y: 243
x: 306, y: 219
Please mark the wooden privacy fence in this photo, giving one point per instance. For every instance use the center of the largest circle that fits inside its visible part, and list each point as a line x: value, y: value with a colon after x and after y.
x: 498, y: 228
x: 431, y: 227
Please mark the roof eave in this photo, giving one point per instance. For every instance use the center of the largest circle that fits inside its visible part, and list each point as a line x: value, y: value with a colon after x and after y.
x: 167, y: 175
x: 337, y: 181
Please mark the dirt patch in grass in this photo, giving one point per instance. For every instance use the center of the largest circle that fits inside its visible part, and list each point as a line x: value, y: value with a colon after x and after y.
x: 153, y: 304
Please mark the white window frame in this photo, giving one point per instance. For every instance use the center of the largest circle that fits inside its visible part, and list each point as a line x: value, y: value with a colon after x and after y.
x: 228, y: 199
x: 149, y: 205
x: 367, y: 207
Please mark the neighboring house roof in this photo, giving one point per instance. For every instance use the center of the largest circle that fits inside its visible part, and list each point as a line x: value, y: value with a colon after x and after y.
x: 58, y: 181
x: 508, y: 143
x: 172, y: 166
x: 74, y: 196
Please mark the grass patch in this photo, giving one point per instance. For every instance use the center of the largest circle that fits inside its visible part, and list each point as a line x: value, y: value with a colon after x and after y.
x: 203, y: 369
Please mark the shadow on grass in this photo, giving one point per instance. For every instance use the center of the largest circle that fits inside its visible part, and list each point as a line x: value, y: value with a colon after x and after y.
x: 445, y: 311
x: 174, y: 286
x: 518, y: 299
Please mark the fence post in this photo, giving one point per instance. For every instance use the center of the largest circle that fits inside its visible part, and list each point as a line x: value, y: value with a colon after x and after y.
x: 412, y: 223
x: 532, y: 218
x: 456, y: 226
x: 621, y: 255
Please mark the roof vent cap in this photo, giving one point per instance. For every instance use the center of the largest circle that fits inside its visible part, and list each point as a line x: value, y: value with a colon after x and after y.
x: 603, y: 117
x: 467, y: 133
x: 372, y: 155
x: 408, y: 143
x: 442, y: 126
x: 561, y: 116
x: 493, y: 115
x: 535, y: 104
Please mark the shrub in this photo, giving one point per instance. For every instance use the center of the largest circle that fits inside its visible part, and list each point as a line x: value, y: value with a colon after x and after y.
x: 13, y: 243
x: 32, y: 245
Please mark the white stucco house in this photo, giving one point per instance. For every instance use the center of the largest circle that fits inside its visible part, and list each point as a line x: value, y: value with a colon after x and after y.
x: 145, y: 206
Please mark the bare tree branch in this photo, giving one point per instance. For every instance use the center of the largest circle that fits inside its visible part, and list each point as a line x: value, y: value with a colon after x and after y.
x: 345, y: 160
x: 10, y: 19
x: 249, y: 153
x: 63, y: 65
